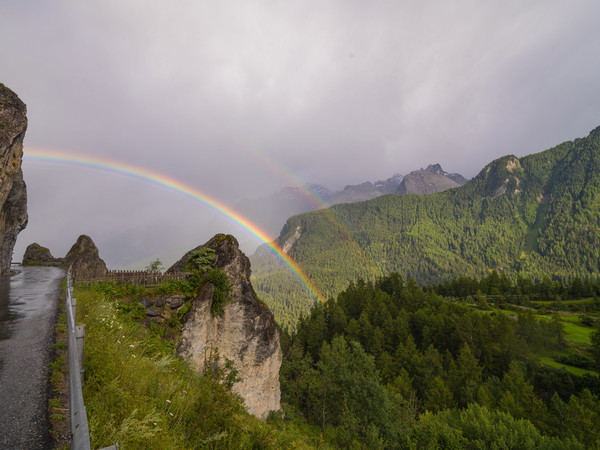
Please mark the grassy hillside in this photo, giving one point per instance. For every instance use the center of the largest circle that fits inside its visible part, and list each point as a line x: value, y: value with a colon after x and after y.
x: 139, y: 394
x: 538, y: 216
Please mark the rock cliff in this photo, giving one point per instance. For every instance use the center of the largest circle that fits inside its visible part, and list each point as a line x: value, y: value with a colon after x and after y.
x: 85, y: 260
x: 245, y: 332
x: 13, y: 192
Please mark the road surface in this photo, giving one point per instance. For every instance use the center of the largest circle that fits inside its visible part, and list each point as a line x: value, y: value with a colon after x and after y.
x: 28, y: 305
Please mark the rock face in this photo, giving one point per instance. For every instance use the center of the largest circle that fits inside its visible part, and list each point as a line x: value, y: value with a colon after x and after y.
x: 85, y: 260
x: 429, y: 181
x: 13, y: 192
x: 502, y: 176
x: 245, y: 332
x: 36, y: 254
x: 389, y: 186
x: 366, y: 191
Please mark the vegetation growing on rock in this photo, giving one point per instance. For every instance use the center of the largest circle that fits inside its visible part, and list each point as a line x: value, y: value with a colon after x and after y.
x: 36, y: 254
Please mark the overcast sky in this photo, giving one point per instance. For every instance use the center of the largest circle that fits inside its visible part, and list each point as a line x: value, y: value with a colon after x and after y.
x: 239, y: 98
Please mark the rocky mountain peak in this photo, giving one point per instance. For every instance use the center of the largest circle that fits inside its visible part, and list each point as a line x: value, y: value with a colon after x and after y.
x: 435, y: 169
x: 428, y: 181
x: 244, y: 332
x: 13, y: 192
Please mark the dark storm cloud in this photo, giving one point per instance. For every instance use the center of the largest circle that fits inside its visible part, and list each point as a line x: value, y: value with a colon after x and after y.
x: 334, y: 92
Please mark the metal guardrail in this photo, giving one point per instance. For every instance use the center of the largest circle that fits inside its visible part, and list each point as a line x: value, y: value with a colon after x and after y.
x: 80, y: 434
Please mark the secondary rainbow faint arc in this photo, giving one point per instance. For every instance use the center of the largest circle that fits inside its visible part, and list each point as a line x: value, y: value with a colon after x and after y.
x: 53, y: 156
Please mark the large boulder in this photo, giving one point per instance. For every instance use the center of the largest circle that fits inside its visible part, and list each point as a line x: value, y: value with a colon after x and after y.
x: 36, y: 254
x: 244, y: 332
x: 85, y: 260
x: 13, y: 192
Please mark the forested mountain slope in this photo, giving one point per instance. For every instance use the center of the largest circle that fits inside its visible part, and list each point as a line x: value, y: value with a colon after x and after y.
x: 537, y: 215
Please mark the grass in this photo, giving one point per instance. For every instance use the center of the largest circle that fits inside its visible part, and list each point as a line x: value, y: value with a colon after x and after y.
x: 508, y: 312
x: 137, y: 393
x: 60, y: 346
x: 577, y: 333
x: 580, y: 301
x: 58, y: 405
x: 574, y: 330
x: 574, y: 370
x: 57, y: 368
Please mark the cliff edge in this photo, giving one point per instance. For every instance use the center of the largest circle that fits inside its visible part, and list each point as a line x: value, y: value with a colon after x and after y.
x: 244, y: 332
x: 13, y: 192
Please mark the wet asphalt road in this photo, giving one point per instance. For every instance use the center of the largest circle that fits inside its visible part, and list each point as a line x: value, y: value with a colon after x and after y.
x: 28, y: 305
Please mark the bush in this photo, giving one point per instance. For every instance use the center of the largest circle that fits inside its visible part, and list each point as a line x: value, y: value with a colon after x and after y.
x: 112, y: 289
x: 587, y: 320
x: 222, y: 292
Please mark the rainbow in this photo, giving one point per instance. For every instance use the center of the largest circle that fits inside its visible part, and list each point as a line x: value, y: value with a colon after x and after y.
x: 282, y: 172
x: 149, y: 176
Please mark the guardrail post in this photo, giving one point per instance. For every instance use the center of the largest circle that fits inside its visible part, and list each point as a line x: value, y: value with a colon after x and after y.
x: 74, y: 308
x: 80, y: 336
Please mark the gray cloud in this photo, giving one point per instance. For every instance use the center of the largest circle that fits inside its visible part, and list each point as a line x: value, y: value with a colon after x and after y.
x: 234, y: 97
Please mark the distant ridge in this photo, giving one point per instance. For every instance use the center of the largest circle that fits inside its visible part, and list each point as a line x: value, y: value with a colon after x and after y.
x: 271, y: 212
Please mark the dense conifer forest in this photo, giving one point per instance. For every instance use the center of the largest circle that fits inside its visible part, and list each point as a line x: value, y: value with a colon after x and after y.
x: 390, y: 364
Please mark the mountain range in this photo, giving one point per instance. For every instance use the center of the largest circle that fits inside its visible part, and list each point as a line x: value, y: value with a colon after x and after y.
x: 271, y: 212
x: 538, y: 216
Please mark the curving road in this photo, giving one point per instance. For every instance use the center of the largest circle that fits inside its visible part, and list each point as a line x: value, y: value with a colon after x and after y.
x: 28, y: 305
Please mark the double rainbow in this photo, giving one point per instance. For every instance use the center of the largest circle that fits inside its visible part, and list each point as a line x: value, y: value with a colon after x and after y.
x: 153, y: 177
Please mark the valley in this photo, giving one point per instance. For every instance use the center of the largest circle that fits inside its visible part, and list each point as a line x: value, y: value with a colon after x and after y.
x: 534, y: 216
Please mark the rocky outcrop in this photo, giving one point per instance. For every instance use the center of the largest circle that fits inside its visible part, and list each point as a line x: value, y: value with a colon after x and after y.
x: 85, y: 261
x: 36, y: 254
x: 356, y: 193
x: 429, y: 181
x: 244, y: 332
x: 13, y: 192
x: 289, y: 243
x: 501, y: 177
x: 389, y: 186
